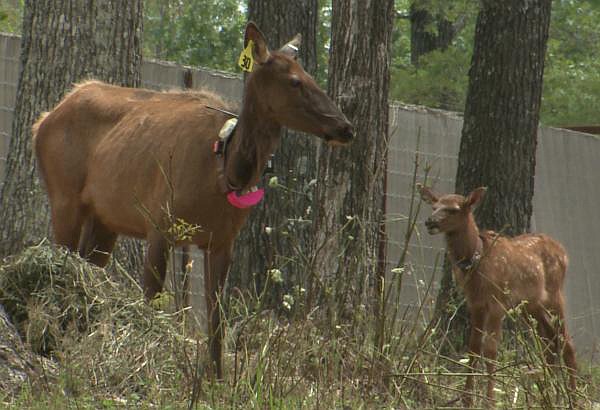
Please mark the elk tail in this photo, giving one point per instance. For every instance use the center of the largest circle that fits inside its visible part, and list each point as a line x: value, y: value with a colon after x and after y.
x: 36, y: 126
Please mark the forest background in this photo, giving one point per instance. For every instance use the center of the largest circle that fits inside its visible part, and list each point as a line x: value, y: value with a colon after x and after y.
x: 206, y: 33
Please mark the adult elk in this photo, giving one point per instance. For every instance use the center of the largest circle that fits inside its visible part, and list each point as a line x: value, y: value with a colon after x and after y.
x: 129, y: 161
x: 497, y: 273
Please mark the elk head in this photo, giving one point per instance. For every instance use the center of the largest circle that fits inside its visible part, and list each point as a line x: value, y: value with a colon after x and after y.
x: 450, y: 211
x: 286, y: 94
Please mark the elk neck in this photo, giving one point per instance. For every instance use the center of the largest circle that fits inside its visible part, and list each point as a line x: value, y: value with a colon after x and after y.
x: 256, y: 137
x: 464, y: 241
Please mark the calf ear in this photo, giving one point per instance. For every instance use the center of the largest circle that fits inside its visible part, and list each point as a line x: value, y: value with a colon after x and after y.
x: 291, y: 48
x: 260, y: 51
x: 427, y: 195
x: 475, y: 197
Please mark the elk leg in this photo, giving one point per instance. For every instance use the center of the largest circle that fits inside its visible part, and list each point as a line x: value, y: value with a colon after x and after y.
x: 490, y: 349
x: 97, y: 242
x: 156, y: 264
x: 475, y: 345
x: 546, y: 332
x: 568, y: 351
x: 67, y: 219
x: 552, y: 334
x: 216, y: 267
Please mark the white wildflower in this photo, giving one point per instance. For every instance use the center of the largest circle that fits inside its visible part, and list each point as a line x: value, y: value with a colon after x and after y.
x: 288, y: 301
x: 275, y: 275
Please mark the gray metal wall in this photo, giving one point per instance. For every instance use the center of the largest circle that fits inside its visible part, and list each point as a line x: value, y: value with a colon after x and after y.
x: 565, y: 206
x: 568, y: 170
x: 9, y: 75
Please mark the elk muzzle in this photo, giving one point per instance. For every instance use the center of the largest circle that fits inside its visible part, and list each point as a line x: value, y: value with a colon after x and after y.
x: 432, y: 226
x: 341, y: 136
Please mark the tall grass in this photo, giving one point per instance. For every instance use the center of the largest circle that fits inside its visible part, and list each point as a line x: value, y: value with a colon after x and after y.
x: 100, y: 345
x: 110, y: 349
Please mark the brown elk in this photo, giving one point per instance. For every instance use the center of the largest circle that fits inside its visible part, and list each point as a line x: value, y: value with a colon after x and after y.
x: 497, y: 273
x: 127, y: 161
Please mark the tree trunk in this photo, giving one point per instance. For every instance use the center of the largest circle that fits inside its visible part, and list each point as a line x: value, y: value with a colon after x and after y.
x: 423, y: 39
x: 499, y: 135
x: 17, y: 362
x: 349, y: 197
x: 62, y: 43
x: 294, y: 163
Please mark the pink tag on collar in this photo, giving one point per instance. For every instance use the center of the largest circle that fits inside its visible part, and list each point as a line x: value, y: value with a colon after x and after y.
x: 245, y: 200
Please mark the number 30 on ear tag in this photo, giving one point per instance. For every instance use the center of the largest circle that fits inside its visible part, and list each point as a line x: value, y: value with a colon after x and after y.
x: 246, y: 60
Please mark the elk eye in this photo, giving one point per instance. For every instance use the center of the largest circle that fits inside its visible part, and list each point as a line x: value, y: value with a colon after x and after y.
x: 295, y: 81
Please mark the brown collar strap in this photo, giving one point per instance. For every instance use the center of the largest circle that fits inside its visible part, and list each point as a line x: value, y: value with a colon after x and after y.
x: 468, y: 265
x: 220, y: 149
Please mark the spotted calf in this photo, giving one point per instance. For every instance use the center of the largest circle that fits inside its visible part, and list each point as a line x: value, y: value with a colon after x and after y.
x: 497, y: 273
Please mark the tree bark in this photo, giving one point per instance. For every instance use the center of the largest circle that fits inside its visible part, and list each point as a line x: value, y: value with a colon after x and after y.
x: 294, y: 164
x: 17, y: 362
x: 62, y: 43
x: 349, y: 197
x: 499, y: 135
x: 281, y: 20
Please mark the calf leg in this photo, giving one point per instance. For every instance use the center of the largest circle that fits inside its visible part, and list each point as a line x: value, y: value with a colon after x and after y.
x: 216, y: 267
x: 552, y: 333
x: 493, y: 335
x: 545, y: 330
x: 475, y: 344
x: 566, y: 344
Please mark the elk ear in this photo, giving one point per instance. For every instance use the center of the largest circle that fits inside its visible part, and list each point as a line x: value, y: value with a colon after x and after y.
x: 475, y: 197
x: 260, y: 51
x: 427, y: 195
x: 291, y: 48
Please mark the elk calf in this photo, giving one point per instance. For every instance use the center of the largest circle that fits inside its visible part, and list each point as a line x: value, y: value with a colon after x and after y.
x: 497, y: 273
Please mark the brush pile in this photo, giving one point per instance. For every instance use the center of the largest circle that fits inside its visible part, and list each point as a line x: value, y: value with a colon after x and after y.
x: 95, y: 325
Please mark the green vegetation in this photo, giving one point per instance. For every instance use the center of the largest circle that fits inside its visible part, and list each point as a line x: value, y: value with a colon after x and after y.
x: 194, y: 32
x: 207, y: 33
x: 440, y: 80
x: 11, y: 16
x: 572, y: 75
x: 572, y: 80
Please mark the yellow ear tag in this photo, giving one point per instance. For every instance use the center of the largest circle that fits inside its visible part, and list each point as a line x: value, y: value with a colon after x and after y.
x: 246, y: 61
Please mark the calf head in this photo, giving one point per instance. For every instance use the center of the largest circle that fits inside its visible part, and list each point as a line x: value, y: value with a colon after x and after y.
x: 450, y: 211
x: 284, y: 92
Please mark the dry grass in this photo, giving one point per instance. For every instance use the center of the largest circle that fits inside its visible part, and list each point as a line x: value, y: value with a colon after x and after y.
x: 112, y: 350
x: 107, y: 341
